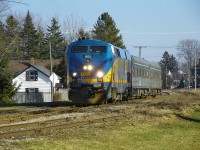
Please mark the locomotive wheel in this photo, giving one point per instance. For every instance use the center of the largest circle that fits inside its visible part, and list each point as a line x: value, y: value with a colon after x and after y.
x: 104, y: 102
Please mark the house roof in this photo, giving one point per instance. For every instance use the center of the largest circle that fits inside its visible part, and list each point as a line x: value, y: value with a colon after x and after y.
x: 41, y: 69
x: 18, y: 66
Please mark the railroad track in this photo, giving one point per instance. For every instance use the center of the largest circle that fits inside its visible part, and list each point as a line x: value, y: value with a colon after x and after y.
x: 46, y: 126
x: 35, y: 128
x: 24, y: 116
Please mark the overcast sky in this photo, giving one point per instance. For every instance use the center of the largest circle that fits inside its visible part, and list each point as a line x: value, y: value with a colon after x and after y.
x: 157, y: 24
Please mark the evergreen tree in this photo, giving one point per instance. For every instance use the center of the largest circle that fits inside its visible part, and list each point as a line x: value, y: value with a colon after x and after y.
x: 13, y: 32
x: 56, y: 39
x: 7, y: 41
x: 7, y: 88
x: 105, y: 29
x: 12, y: 26
x: 43, y: 49
x: 29, y: 35
x: 83, y: 34
x: 2, y: 41
x: 6, y: 44
x: 168, y: 65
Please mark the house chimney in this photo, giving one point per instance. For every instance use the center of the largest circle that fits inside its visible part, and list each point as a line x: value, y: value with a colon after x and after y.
x: 32, y: 61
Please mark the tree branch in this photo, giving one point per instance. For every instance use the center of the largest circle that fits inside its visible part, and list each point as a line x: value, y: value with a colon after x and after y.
x: 13, y: 1
x: 3, y: 52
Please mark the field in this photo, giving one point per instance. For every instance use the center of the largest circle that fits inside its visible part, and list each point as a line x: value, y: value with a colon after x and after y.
x: 167, y: 122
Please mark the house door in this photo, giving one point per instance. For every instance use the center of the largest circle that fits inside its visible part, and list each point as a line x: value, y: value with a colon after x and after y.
x: 33, y: 96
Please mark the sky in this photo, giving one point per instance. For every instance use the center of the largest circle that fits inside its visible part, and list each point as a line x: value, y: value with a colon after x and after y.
x: 157, y: 24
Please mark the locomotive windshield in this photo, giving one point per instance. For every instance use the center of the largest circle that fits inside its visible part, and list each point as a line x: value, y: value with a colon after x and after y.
x: 79, y: 49
x: 98, y: 49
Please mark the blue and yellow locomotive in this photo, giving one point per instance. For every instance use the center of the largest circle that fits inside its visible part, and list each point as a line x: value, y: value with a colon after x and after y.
x: 101, y: 72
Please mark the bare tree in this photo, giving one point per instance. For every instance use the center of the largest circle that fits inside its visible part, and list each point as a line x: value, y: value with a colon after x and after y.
x: 6, y: 49
x: 5, y: 4
x: 6, y: 46
x: 188, y: 50
x: 71, y: 28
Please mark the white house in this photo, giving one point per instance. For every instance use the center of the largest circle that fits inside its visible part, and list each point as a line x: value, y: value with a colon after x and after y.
x: 36, y: 85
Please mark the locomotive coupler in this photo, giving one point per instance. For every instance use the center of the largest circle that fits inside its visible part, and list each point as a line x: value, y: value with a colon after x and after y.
x: 91, y: 93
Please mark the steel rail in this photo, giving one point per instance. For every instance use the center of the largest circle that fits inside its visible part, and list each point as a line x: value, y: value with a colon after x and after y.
x: 24, y: 116
x: 42, y: 130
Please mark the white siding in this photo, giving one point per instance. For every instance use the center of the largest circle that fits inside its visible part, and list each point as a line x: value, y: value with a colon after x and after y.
x: 55, y: 79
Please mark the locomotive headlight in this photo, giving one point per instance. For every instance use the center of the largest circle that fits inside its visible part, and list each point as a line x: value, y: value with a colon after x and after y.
x: 100, y: 74
x: 74, y: 74
x: 85, y: 67
x: 89, y: 67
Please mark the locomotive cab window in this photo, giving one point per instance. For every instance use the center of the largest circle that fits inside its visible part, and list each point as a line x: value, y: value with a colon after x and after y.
x: 117, y: 52
x: 125, y: 54
x: 98, y: 49
x: 79, y: 49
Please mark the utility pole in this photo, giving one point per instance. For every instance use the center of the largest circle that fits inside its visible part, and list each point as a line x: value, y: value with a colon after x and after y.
x: 50, y: 57
x: 51, y: 71
x: 195, y: 71
x: 166, y: 75
x: 140, y: 49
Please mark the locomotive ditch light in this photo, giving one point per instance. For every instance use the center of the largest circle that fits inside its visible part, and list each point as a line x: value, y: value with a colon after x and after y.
x: 100, y: 74
x: 74, y: 74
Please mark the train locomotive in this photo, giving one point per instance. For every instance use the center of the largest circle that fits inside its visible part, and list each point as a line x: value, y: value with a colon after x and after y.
x: 100, y: 72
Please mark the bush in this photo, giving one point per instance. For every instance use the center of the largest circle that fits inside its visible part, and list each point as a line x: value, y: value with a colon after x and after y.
x: 57, y: 97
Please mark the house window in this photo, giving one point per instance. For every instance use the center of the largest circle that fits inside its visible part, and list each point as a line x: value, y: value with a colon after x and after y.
x: 31, y: 75
x: 32, y: 90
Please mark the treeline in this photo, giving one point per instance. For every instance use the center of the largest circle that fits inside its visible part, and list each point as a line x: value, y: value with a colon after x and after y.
x: 28, y: 41
x: 188, y: 51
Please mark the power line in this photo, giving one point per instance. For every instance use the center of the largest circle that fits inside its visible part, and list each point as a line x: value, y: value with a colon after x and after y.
x: 162, y: 46
x: 140, y: 49
x: 150, y: 46
x: 160, y: 33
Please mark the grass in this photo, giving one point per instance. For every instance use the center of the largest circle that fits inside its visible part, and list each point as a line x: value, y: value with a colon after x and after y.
x: 144, y: 131
x: 13, y: 109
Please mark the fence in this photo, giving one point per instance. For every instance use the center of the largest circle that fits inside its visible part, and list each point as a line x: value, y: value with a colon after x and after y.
x: 23, y: 97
